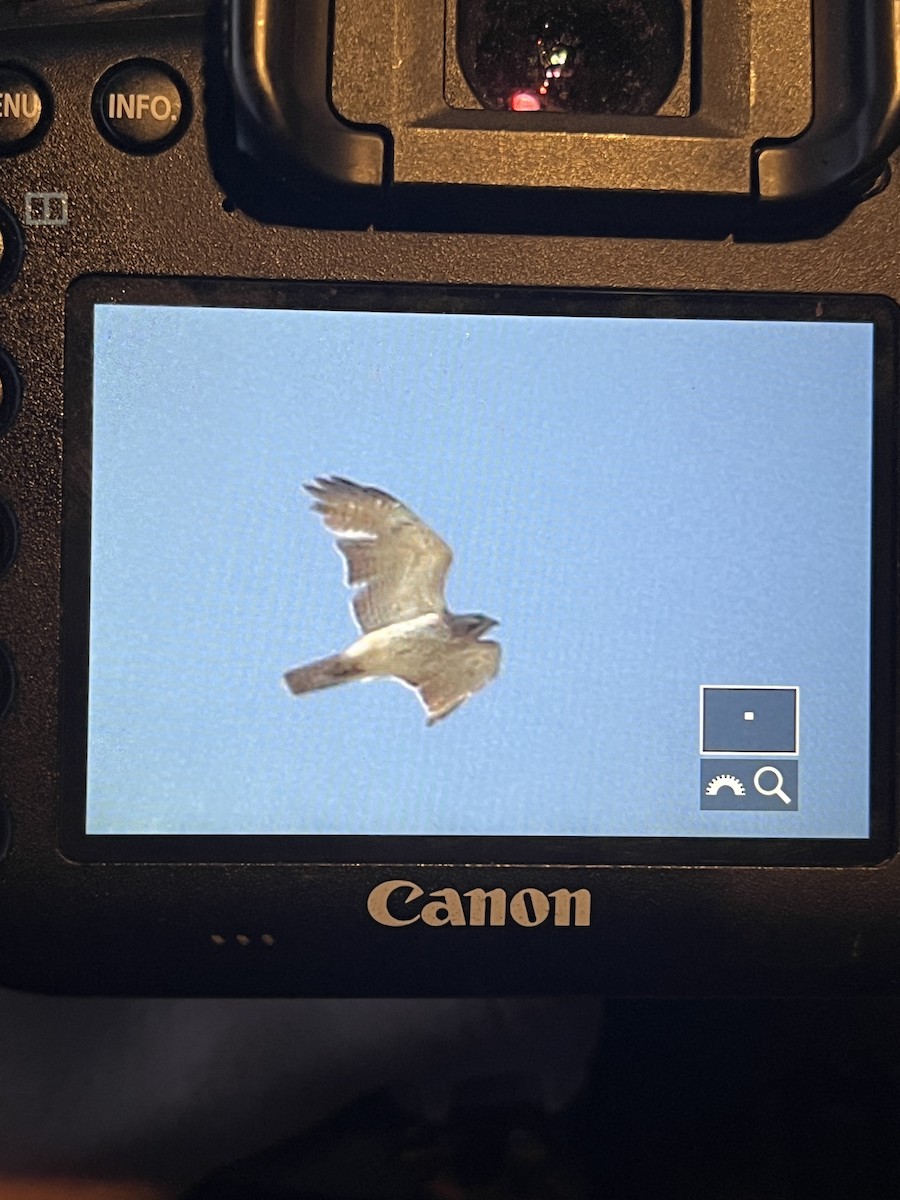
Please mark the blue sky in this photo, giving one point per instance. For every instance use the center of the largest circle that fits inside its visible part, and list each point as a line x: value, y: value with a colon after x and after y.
x: 645, y: 506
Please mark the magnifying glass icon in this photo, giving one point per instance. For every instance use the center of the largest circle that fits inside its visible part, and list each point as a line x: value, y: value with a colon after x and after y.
x: 777, y: 790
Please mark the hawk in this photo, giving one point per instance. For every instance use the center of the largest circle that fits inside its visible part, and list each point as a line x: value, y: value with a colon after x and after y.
x: 397, y: 567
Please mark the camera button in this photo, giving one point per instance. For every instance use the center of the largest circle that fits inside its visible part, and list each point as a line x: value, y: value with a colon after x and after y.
x: 10, y: 391
x: 25, y: 109
x: 9, y: 537
x: 142, y: 106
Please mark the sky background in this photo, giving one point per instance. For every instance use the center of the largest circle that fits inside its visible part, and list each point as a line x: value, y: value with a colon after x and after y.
x: 645, y: 506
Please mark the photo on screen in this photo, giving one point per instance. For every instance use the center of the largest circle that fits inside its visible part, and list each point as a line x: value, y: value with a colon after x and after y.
x: 669, y: 520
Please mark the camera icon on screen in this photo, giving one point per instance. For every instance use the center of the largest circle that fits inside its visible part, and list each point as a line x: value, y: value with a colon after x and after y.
x: 750, y: 784
x: 749, y: 743
x: 749, y: 720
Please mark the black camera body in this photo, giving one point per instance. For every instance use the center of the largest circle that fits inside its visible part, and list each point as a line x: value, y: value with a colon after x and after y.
x: 629, y: 349
x: 681, y: 113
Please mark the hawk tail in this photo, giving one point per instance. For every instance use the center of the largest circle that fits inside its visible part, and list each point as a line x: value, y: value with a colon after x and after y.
x: 325, y: 673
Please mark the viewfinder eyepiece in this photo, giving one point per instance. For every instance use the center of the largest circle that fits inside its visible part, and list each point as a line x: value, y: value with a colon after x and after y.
x: 579, y: 56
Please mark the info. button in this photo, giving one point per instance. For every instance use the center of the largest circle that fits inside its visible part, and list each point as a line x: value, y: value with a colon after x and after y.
x: 142, y: 106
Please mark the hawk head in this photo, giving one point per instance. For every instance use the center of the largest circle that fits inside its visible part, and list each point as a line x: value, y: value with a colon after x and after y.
x: 471, y: 625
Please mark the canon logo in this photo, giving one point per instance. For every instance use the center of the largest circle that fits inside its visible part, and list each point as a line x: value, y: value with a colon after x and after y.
x: 396, y: 903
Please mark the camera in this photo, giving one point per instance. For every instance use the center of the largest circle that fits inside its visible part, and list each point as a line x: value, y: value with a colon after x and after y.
x: 571, y: 327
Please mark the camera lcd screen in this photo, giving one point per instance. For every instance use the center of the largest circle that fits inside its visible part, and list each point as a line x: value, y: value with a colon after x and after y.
x: 665, y: 504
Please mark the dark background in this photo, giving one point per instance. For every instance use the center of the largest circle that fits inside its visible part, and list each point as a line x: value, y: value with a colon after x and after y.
x: 686, y: 1099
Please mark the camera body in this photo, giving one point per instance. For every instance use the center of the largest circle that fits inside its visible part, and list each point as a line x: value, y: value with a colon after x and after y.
x: 163, y: 160
x: 733, y: 109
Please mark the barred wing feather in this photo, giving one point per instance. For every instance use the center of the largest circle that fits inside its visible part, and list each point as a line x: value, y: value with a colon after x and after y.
x: 396, y: 564
x: 466, y: 668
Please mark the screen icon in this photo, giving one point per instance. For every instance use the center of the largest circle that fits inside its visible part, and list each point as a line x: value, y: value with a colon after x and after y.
x: 777, y: 788
x: 749, y: 784
x: 749, y: 720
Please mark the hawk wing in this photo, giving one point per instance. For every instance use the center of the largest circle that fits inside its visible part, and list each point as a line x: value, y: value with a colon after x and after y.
x: 466, y: 668
x: 395, y: 563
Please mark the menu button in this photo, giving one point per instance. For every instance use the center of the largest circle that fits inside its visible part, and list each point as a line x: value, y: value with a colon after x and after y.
x: 24, y: 109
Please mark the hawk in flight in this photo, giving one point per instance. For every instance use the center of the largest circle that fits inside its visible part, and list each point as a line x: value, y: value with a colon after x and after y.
x: 397, y: 567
